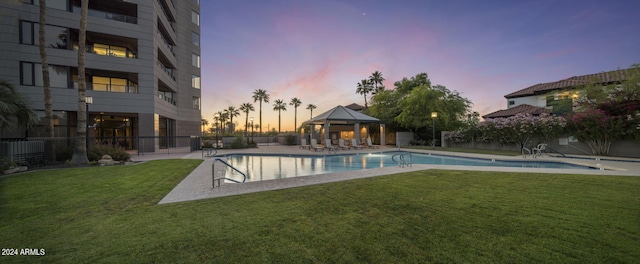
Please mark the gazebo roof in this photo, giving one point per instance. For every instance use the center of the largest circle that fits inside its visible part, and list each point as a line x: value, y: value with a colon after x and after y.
x: 341, y: 115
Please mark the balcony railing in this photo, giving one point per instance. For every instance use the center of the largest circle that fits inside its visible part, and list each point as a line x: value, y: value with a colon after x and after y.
x: 109, y: 87
x: 167, y: 70
x: 170, y: 100
x: 169, y: 46
x: 107, y: 15
x: 113, y: 52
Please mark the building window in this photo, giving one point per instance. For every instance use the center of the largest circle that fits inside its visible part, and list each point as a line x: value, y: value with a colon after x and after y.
x: 56, y: 37
x: 55, y: 4
x: 31, y: 75
x: 512, y: 102
x: 195, y: 81
x: 196, y: 102
x: 195, y: 38
x: 195, y: 17
x: 111, y: 84
x: 195, y: 60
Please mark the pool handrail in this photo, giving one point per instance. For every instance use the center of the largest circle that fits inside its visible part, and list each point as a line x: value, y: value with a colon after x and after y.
x: 402, y: 161
x: 213, y: 169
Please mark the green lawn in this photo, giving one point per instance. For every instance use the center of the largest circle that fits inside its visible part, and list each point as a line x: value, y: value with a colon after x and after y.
x: 110, y: 214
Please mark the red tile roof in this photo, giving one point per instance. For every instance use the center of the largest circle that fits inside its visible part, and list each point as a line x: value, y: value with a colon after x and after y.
x: 603, y: 78
x: 520, y: 109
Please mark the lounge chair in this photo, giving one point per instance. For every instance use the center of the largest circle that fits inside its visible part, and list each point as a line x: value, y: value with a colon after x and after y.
x: 303, y: 144
x: 370, y: 144
x: 327, y: 145
x: 354, y: 144
x: 539, y: 150
x: 315, y: 146
x: 341, y: 144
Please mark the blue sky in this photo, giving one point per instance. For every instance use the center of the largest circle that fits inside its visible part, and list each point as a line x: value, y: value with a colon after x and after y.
x: 319, y: 50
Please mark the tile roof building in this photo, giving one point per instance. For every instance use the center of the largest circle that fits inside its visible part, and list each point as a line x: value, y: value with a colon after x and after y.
x: 544, y: 97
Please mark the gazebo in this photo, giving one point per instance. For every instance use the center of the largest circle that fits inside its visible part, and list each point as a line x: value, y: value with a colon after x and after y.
x: 342, y: 122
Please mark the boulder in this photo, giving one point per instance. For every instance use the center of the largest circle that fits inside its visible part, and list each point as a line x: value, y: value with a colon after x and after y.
x: 106, y: 160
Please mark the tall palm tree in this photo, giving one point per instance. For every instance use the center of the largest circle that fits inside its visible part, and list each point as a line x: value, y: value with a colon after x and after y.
x: 376, y: 79
x: 14, y: 104
x: 310, y: 107
x: 80, y: 150
x: 364, y: 88
x: 232, y: 111
x: 46, y: 81
x: 204, y: 123
x: 295, y: 102
x: 246, y: 108
x: 224, y: 116
x: 279, y: 105
x: 262, y: 96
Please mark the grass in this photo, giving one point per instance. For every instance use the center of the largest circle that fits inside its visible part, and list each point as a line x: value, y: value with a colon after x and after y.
x: 110, y: 214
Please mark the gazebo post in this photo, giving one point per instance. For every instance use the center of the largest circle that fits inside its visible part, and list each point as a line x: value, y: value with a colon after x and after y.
x: 383, y: 136
x: 326, y: 130
x: 356, y: 132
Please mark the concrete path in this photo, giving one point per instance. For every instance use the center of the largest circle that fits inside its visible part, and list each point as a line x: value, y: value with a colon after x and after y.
x: 198, y: 184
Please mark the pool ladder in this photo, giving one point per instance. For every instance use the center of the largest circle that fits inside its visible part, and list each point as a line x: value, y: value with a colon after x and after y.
x: 402, y: 160
x: 213, y: 173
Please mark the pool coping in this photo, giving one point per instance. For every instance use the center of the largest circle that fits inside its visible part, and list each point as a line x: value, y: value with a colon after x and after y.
x: 198, y: 184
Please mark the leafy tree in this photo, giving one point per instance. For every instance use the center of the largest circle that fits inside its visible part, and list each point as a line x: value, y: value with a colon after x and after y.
x: 262, y: 96
x: 80, y: 150
x: 606, y: 113
x: 279, y: 105
x: 14, y: 105
x: 385, y: 106
x: 295, y: 102
x: 310, y: 107
x: 406, y: 85
x: 364, y: 88
x: 246, y: 108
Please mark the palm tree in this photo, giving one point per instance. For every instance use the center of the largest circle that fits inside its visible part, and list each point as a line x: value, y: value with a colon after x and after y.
x: 310, y: 107
x: 295, y: 102
x: 14, y: 104
x: 376, y: 79
x: 364, y: 88
x: 262, y: 96
x: 224, y: 116
x: 46, y: 81
x: 246, y: 108
x: 204, y: 123
x: 80, y: 150
x: 231, y: 112
x: 279, y: 105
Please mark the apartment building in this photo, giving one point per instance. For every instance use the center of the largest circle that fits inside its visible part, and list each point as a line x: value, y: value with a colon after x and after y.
x: 142, y: 67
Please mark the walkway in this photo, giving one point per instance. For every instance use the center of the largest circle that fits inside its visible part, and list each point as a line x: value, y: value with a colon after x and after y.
x: 197, y: 185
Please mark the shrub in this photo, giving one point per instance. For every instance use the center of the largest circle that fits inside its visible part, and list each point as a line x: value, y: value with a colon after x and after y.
x: 97, y: 151
x: 239, y: 142
x: 290, y: 140
x: 6, y: 163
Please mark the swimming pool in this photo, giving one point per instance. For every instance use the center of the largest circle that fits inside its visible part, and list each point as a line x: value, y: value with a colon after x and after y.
x: 270, y: 167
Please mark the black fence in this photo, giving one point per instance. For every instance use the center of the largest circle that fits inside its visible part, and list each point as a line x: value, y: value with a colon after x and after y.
x: 37, y: 152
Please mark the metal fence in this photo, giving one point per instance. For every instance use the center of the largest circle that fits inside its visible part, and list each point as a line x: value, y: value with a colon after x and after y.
x: 36, y: 152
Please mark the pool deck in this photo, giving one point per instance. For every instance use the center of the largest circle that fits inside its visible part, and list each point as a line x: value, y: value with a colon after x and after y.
x: 197, y: 185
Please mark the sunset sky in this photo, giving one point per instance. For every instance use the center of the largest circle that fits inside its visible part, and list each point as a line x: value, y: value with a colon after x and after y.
x: 318, y: 50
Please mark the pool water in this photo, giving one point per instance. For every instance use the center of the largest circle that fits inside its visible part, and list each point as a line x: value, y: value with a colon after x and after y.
x: 269, y: 167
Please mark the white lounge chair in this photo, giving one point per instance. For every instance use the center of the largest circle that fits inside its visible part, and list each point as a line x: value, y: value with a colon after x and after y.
x: 539, y: 150
x: 327, y: 145
x: 370, y: 144
x: 341, y: 144
x: 315, y: 146
x: 303, y: 144
x: 354, y: 144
